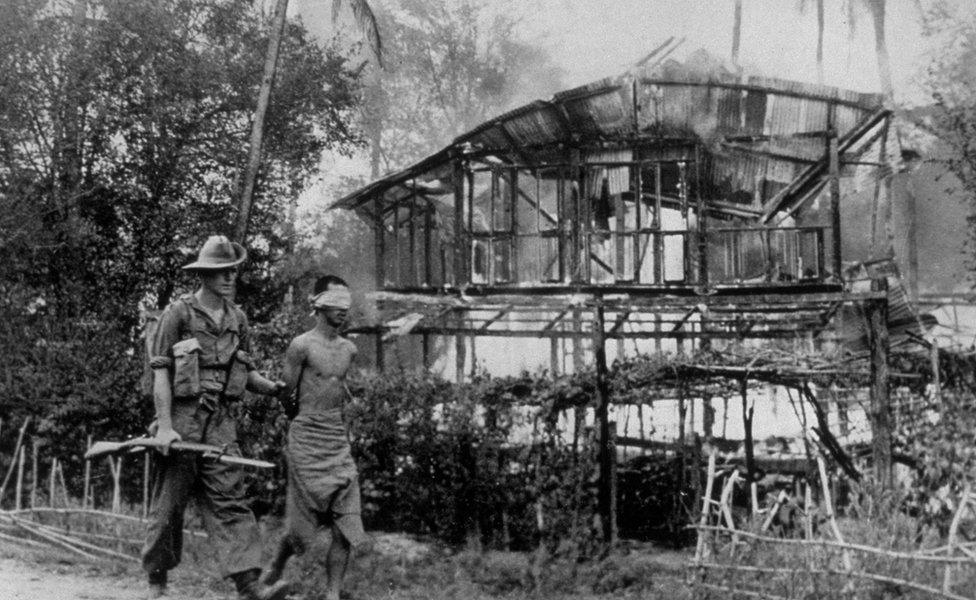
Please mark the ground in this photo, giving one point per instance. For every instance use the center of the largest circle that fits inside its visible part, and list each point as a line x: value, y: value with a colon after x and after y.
x: 396, y: 569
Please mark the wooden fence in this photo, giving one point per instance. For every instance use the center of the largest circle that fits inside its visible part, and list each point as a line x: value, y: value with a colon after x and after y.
x: 769, y: 555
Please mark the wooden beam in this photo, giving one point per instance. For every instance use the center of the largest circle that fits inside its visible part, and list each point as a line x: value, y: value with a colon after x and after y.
x: 878, y: 344
x: 834, y: 179
x: 497, y: 316
x: 606, y: 452
x: 460, y: 240
x: 656, y: 224
x: 811, y: 175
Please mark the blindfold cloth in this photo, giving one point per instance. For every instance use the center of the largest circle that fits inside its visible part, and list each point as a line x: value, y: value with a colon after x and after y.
x: 334, y: 297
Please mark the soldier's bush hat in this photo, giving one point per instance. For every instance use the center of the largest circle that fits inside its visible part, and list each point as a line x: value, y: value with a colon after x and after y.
x: 218, y: 253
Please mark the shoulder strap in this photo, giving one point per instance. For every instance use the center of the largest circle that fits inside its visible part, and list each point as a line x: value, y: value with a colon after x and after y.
x: 190, y: 317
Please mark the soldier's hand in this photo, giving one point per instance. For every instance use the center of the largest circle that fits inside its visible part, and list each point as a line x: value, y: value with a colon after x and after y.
x: 165, y: 437
x: 279, y: 386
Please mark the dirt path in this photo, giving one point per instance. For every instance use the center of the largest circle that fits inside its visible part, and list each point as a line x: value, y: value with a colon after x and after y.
x: 22, y: 578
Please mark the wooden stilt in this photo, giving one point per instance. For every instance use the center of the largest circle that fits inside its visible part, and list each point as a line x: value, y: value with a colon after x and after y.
x: 877, y: 317
x: 459, y: 358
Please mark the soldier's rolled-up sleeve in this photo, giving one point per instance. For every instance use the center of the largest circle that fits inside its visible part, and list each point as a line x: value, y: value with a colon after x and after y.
x: 167, y: 334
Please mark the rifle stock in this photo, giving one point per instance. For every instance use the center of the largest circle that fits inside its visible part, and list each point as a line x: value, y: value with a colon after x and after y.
x: 207, y: 450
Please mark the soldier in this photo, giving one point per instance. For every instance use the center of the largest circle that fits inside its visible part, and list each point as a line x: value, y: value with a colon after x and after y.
x: 200, y: 369
x: 323, y: 485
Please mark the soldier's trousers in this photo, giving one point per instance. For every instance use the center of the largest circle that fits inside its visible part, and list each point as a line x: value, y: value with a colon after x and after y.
x: 217, y: 489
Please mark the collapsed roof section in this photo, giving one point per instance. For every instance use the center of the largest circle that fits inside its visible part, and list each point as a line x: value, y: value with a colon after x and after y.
x: 766, y: 139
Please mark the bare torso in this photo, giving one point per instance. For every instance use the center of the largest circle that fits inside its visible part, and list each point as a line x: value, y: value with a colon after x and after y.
x: 326, y: 360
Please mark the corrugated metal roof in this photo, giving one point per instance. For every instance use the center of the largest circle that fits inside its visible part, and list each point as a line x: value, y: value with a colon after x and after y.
x: 759, y: 129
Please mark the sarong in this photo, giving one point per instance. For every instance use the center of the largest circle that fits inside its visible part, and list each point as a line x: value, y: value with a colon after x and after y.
x: 323, y: 483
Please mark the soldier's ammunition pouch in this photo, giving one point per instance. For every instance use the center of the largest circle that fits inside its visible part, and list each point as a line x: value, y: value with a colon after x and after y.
x: 186, y: 368
x: 237, y: 376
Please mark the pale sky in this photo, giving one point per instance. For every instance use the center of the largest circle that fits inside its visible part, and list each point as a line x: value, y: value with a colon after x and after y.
x: 593, y: 39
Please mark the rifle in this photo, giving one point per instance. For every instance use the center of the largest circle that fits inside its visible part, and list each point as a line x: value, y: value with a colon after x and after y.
x: 142, y: 443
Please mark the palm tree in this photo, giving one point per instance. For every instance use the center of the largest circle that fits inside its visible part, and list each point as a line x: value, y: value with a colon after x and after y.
x: 736, y: 32
x: 366, y: 21
x: 801, y: 7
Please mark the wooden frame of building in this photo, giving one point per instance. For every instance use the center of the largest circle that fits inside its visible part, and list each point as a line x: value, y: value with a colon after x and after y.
x: 666, y: 206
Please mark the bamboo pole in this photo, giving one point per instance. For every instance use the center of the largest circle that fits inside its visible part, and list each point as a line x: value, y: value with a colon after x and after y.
x: 64, y: 486
x: 116, y: 469
x: 95, y: 513
x: 86, y: 491
x: 889, y: 554
x: 783, y: 497
x: 145, y: 486
x: 953, y: 532
x: 22, y: 540
x: 706, y: 506
x: 829, y: 507
x: 13, y: 461
x: 20, y: 478
x: 53, y: 534
x: 807, y: 512
x: 733, y: 592
x: 33, y: 493
x: 860, y: 574
x: 55, y: 540
x: 50, y: 485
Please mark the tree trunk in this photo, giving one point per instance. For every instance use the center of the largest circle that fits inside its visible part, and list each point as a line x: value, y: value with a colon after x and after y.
x: 257, y: 125
x: 736, y: 32
x: 877, y: 8
x: 820, y: 40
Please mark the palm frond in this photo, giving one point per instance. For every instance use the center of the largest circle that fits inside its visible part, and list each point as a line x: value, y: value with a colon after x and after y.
x: 365, y: 20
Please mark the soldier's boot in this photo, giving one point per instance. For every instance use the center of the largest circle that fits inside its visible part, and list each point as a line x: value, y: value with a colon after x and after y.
x: 249, y: 587
x: 157, y: 585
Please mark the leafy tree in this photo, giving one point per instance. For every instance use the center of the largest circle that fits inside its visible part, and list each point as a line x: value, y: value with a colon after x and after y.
x: 450, y: 67
x: 951, y: 80
x: 122, y: 132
